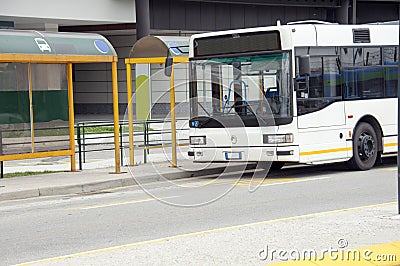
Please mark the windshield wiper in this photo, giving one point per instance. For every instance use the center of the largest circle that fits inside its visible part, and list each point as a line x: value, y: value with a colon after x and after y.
x: 246, y: 107
x: 202, y: 107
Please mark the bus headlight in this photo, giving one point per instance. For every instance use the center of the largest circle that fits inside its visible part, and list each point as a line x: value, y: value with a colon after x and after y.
x: 275, y: 139
x: 197, y: 140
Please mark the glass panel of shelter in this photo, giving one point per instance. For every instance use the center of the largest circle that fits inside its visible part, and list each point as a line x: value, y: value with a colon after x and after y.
x: 33, y: 94
x: 15, y: 127
x: 50, y: 107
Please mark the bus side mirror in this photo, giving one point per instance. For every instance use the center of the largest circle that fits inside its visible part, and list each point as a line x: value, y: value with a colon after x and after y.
x: 304, y: 65
x: 168, y: 66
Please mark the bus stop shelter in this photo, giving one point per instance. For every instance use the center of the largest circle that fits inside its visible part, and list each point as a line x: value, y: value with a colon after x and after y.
x: 36, y: 91
x: 146, y: 51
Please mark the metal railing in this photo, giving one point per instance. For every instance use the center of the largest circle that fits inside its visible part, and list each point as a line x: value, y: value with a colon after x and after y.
x: 18, y: 140
x: 94, y: 136
x: 98, y: 136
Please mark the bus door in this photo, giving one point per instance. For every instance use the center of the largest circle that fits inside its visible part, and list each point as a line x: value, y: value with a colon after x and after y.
x: 320, y: 109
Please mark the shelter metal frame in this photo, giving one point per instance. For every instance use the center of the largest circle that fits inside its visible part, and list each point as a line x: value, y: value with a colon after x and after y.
x: 152, y: 60
x: 67, y: 59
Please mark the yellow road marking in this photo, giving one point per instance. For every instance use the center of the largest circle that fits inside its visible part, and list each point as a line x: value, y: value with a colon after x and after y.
x: 201, y: 182
x: 245, y: 182
x: 240, y: 182
x: 27, y: 199
x: 262, y: 182
x: 289, y: 181
x: 160, y: 240
x: 389, y: 169
x: 116, y: 203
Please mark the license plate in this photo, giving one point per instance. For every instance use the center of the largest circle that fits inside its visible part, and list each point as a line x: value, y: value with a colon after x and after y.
x: 233, y: 155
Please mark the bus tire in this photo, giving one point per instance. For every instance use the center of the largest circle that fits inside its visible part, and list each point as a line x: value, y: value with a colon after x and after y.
x: 365, y: 148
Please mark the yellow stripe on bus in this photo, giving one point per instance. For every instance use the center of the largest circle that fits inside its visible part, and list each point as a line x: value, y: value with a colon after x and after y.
x: 390, y: 144
x: 305, y: 153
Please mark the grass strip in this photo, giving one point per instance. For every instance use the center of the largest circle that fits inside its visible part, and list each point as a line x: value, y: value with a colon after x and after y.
x: 29, y: 173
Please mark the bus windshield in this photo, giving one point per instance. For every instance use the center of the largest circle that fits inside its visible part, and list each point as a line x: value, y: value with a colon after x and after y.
x: 256, y: 88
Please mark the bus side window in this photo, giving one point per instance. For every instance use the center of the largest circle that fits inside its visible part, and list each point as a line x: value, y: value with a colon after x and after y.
x: 390, y: 63
x: 324, y: 85
x: 370, y: 72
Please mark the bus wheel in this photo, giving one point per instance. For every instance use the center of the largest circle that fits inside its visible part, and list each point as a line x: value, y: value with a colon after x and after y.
x: 365, y: 148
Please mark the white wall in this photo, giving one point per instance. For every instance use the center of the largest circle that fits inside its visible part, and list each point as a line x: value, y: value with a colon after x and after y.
x: 92, y: 82
x: 64, y: 12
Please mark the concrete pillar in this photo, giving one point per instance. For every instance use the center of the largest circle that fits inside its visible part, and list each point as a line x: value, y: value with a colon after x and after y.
x: 37, y: 26
x: 142, y: 18
x: 51, y: 27
x: 354, y: 12
x: 342, y: 13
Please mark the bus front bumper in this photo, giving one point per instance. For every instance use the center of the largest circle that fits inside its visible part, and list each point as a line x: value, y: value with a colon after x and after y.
x: 288, y: 153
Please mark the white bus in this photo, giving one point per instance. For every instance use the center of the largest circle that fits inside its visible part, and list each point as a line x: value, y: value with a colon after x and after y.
x: 307, y: 92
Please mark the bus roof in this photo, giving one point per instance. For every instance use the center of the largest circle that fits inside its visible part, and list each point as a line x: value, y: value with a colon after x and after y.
x: 320, y: 34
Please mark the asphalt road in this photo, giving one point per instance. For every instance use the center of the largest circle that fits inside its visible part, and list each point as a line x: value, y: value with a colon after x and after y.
x: 41, y: 228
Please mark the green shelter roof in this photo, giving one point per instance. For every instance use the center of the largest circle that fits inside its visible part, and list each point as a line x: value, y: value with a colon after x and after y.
x: 54, y: 43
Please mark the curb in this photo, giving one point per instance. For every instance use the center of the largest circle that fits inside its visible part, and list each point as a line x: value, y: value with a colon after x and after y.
x: 21, y: 194
x: 108, y: 184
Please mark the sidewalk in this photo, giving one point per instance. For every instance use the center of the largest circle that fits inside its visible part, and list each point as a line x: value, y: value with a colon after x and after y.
x: 93, y: 160
x: 96, y: 179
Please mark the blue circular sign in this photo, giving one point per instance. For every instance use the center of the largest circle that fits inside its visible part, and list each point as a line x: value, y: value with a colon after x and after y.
x: 174, y: 48
x: 101, y: 46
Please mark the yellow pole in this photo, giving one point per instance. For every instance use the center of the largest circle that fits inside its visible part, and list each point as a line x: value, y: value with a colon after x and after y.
x: 116, y: 118
x: 71, y: 116
x: 30, y: 88
x: 130, y: 113
x: 173, y: 117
